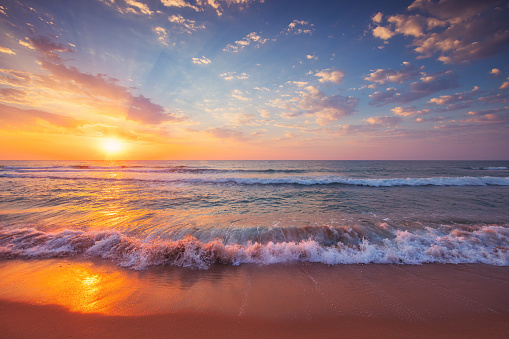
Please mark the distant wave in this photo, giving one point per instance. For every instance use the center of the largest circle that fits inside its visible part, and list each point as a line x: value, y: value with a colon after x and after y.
x: 486, y: 244
x: 301, y: 180
x: 500, y: 168
x: 142, y: 169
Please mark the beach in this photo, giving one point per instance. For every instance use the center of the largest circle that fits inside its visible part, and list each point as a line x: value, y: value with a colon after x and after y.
x: 254, y: 249
x: 49, y: 299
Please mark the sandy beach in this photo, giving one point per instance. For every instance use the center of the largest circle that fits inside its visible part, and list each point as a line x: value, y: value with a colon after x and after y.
x: 52, y: 299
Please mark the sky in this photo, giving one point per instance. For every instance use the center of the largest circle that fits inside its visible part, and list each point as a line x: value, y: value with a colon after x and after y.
x: 254, y: 79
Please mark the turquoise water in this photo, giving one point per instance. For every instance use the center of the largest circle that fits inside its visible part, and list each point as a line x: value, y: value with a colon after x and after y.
x: 199, y: 213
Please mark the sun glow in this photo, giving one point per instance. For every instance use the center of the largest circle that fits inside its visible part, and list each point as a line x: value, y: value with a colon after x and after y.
x: 112, y: 146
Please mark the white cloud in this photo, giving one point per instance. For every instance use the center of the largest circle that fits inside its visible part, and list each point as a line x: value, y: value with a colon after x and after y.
x: 330, y: 75
x: 162, y: 35
x: 383, y: 33
x: 233, y: 76
x: 178, y: 3
x: 252, y: 38
x: 239, y: 95
x: 186, y: 24
x: 299, y: 27
x: 201, y: 61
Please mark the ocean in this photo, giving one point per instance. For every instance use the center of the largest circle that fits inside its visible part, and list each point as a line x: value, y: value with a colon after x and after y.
x: 199, y: 214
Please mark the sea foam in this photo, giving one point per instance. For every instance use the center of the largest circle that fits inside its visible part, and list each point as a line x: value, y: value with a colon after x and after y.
x: 447, y: 244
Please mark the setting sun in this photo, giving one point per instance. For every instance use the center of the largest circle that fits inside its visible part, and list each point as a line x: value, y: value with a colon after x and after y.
x: 112, y: 146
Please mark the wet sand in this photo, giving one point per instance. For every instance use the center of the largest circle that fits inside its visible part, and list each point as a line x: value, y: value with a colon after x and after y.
x: 63, y: 298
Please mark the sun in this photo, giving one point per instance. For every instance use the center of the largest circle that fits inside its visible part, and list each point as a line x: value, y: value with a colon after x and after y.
x: 112, y: 145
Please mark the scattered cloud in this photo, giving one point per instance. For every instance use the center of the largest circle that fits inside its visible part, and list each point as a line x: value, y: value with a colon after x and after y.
x: 179, y: 3
x: 505, y: 84
x: 252, y: 38
x: 299, y: 27
x: 383, y: 33
x: 455, y: 101
x: 162, y: 35
x: 428, y: 85
x: 311, y: 57
x: 233, y: 75
x: 495, y: 72
x: 385, y: 120
x: 377, y: 18
x: 6, y: 50
x: 456, y: 30
x: 239, y: 95
x: 201, y: 61
x: 383, y: 76
x: 186, y: 25
x: 226, y: 133
x: 330, y: 75
x: 325, y: 108
x: 22, y: 118
x: 409, y: 111
x: 129, y: 7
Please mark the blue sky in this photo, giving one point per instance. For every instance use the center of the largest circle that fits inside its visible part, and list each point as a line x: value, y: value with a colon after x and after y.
x: 239, y: 79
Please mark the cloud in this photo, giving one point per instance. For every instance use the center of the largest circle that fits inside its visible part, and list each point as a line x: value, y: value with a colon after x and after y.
x: 497, y: 115
x: 129, y: 7
x: 201, y: 61
x: 6, y: 50
x: 495, y: 72
x: 383, y: 76
x: 416, y: 90
x: 226, y: 133
x: 495, y: 99
x: 505, y: 84
x: 377, y: 18
x: 239, y: 95
x: 186, y: 25
x: 162, y: 35
x: 385, y: 120
x: 299, y: 27
x: 409, y: 111
x: 456, y: 30
x: 383, y: 33
x: 325, y: 108
x: 68, y: 86
x: 311, y: 57
x: 330, y: 75
x: 22, y: 118
x: 179, y: 3
x: 46, y: 46
x: 464, y: 97
x: 252, y: 38
x: 233, y: 75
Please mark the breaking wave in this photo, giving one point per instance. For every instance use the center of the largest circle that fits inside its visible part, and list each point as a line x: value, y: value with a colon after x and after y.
x: 299, y: 180
x: 446, y: 244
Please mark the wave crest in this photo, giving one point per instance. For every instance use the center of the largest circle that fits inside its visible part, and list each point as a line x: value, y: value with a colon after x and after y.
x: 487, y: 244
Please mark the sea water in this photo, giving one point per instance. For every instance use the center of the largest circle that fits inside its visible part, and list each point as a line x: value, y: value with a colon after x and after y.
x: 196, y: 214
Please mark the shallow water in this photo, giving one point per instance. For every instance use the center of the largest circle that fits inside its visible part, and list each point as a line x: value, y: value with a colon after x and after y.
x: 198, y: 213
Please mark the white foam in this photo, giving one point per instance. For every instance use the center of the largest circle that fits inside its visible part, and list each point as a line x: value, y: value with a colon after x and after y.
x: 445, y: 244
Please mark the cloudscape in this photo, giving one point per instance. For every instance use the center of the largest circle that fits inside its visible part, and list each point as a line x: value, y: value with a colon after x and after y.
x: 254, y: 79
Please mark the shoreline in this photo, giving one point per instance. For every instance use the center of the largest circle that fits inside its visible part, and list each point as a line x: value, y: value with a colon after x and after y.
x: 59, y: 298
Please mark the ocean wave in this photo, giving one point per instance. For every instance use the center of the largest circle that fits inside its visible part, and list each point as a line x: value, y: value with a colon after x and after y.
x: 141, y: 169
x: 298, y: 180
x: 485, y: 244
x: 499, y: 168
